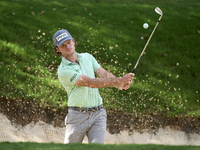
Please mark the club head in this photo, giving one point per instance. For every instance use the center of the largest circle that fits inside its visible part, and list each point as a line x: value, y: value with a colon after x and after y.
x: 158, y: 11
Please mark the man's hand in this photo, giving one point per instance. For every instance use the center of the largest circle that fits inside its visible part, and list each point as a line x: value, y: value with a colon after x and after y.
x: 125, y: 81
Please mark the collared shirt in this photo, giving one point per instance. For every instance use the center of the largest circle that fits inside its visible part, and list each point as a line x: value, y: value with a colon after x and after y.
x: 69, y: 72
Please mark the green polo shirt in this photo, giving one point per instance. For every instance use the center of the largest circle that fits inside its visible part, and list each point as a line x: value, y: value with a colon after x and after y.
x: 69, y: 72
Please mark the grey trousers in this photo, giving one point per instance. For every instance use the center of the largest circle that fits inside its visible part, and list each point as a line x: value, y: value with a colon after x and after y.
x: 92, y: 124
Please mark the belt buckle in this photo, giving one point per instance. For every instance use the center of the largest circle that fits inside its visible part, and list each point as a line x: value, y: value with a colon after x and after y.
x: 80, y: 109
x: 94, y: 109
x: 84, y: 110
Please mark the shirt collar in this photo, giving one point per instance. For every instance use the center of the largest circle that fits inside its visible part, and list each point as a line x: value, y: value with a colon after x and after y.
x: 67, y: 62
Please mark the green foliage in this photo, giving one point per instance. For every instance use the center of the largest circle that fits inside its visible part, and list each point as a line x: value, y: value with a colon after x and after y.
x: 52, y: 146
x: 167, y: 77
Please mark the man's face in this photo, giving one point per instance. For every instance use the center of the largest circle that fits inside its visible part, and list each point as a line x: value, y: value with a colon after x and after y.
x: 67, y: 48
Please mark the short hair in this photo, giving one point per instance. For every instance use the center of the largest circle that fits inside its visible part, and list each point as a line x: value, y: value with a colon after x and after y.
x: 56, y: 53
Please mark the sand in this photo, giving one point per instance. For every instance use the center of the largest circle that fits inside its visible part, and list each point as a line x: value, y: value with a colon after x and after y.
x: 42, y: 132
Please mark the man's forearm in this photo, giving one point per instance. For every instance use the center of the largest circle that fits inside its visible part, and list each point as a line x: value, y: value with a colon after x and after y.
x: 104, y: 82
x: 97, y: 82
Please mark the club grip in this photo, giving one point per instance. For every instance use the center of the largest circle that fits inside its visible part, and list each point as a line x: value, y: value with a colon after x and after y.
x: 133, y: 70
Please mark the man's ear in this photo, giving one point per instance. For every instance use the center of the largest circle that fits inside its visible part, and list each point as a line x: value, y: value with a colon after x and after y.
x: 56, y: 48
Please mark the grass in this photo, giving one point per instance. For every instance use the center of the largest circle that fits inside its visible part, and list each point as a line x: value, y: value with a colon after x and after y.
x: 167, y: 77
x: 52, y: 146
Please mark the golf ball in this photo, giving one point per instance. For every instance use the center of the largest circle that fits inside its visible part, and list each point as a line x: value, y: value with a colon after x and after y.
x: 145, y: 25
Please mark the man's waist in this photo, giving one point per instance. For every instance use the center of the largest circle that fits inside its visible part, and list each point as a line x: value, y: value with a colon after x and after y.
x: 86, y: 109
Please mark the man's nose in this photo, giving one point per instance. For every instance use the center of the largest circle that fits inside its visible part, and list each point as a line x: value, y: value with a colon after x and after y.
x: 67, y: 45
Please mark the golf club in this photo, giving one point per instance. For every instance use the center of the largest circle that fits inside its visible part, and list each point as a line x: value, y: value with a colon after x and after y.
x: 158, y: 11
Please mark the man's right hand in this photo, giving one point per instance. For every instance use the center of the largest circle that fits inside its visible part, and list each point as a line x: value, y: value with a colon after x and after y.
x: 125, y: 81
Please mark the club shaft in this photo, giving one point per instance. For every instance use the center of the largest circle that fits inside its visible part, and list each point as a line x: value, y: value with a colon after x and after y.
x: 146, y: 44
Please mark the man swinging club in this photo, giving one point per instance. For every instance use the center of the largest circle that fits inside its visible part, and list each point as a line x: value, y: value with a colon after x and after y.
x: 86, y: 115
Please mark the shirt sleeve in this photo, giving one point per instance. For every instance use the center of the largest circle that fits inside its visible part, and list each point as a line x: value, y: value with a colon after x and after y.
x: 68, y: 77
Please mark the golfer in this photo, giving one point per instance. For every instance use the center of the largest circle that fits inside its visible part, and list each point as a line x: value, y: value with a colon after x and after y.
x: 86, y: 115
